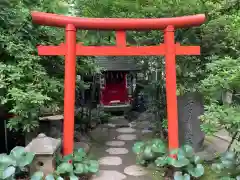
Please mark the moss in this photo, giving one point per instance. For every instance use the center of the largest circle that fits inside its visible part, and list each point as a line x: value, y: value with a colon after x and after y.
x: 209, y: 174
x: 158, y: 175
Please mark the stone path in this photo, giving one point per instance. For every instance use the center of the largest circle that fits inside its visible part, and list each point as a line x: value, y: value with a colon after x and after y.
x: 117, y: 161
x: 114, y: 149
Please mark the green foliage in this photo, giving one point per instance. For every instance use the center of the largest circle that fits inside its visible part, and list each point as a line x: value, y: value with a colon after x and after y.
x: 104, y: 117
x: 221, y: 50
x: 147, y: 152
x: 27, y: 84
x: 221, y: 116
x: 71, y: 166
x: 12, y: 165
x: 77, y: 163
x: 228, y: 167
x: 224, y: 76
x: 186, y: 163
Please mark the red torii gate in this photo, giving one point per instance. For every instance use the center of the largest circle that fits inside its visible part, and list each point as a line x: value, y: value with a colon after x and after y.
x: 70, y: 49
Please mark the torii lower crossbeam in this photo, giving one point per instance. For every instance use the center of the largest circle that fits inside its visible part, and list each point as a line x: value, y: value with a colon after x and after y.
x: 70, y: 49
x: 117, y: 51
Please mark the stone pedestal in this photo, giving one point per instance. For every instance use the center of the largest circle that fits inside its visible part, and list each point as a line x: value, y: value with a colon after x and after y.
x: 45, y: 149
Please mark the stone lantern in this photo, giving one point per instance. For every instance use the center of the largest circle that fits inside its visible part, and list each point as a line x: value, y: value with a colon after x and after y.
x: 45, y: 149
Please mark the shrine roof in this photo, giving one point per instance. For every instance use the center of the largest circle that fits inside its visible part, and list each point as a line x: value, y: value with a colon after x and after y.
x: 114, y: 63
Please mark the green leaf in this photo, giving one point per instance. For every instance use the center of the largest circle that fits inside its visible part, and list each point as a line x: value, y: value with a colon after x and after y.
x: 217, y: 167
x: 137, y: 148
x: 81, y: 150
x: 50, y: 177
x: 8, y: 172
x: 78, y: 158
x: 140, y: 160
x: 197, y: 171
x: 79, y: 155
x: 79, y: 168
x: 159, y: 147
x: 178, y: 163
x: 73, y: 177
x: 67, y: 158
x: 59, y: 178
x: 65, y: 168
x: 6, y: 160
x: 85, y: 169
x: 93, y: 166
x: 161, y: 161
x: 148, y: 154
x: 26, y: 159
x: 37, y: 175
x: 231, y: 156
x: 197, y: 159
x: 178, y: 176
x: 188, y: 150
x: 17, y: 152
x: 228, y: 163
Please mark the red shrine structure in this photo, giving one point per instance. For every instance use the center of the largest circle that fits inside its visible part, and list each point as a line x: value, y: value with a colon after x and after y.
x: 117, y: 82
x: 70, y: 49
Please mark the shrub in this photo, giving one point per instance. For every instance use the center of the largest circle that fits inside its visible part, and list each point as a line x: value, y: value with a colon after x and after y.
x: 228, y: 167
x: 148, y: 152
x: 12, y: 165
x: 186, y: 164
x: 71, y: 166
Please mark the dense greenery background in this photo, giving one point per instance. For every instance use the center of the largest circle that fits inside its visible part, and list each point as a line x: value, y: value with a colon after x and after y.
x: 29, y: 82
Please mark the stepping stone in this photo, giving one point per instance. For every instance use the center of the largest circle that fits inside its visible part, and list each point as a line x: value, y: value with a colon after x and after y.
x: 110, y: 161
x: 119, y: 121
x: 109, y: 175
x: 146, y: 131
x: 115, y: 143
x: 117, y: 151
x: 111, y: 125
x: 132, y: 124
x: 135, y: 170
x: 127, y: 137
x: 125, y: 130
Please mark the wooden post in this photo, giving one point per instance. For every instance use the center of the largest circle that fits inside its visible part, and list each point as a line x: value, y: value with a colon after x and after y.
x: 69, y: 90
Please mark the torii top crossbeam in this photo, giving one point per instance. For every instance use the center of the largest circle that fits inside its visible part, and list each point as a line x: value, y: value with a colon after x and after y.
x: 117, y: 24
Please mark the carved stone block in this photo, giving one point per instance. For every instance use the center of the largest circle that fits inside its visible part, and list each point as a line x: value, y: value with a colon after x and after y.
x: 190, y: 107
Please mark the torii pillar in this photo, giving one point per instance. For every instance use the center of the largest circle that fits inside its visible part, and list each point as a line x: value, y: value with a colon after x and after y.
x: 70, y: 50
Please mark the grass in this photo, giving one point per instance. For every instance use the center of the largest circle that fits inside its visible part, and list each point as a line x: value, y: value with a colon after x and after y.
x: 208, y: 174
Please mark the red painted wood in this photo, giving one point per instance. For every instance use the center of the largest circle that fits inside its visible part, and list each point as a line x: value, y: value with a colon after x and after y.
x: 118, y: 51
x: 56, y: 20
x: 171, y: 87
x: 69, y: 90
x: 121, y: 39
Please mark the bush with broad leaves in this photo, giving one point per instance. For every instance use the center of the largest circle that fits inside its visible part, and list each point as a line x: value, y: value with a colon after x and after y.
x: 186, y: 164
x: 148, y: 152
x: 13, y: 164
x: 71, y: 166
x: 228, y: 167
